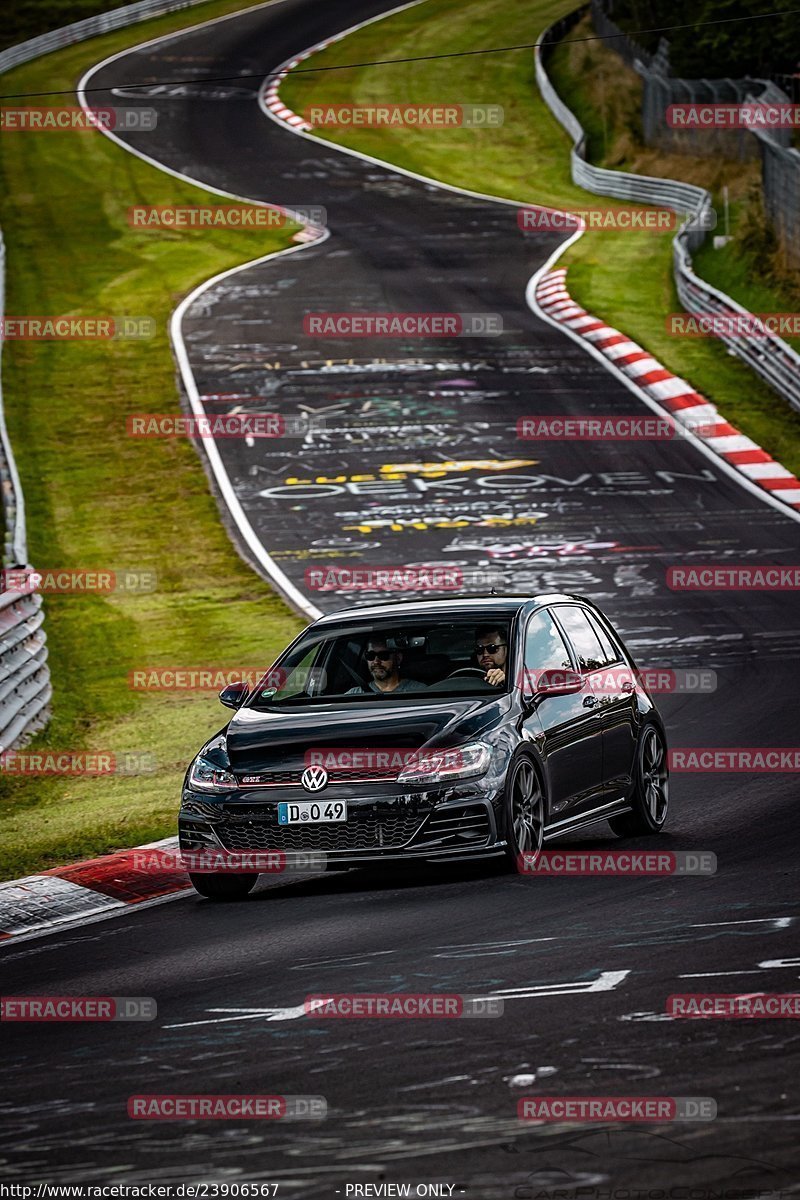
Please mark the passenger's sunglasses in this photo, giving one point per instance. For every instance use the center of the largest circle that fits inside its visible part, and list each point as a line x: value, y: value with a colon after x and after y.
x: 490, y: 647
x: 383, y: 655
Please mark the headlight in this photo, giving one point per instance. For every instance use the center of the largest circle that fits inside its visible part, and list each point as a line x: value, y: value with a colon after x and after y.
x: 206, y: 776
x: 443, y: 766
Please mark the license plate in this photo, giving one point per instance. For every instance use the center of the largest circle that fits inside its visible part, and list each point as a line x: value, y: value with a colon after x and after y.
x: 312, y: 812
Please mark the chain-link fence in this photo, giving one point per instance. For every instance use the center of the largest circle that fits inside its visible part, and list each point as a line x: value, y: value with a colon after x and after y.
x: 780, y: 163
x: 660, y: 89
x: 769, y: 356
x: 780, y: 178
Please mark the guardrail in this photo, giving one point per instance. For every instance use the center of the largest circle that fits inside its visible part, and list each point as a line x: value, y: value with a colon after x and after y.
x: 13, y: 503
x: 769, y: 356
x: 25, y: 689
x: 89, y: 27
x: 24, y: 675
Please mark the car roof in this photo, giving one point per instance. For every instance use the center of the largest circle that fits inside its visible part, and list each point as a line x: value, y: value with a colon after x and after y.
x: 445, y: 606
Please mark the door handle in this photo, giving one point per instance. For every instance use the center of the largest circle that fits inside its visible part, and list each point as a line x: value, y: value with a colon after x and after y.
x: 589, y: 701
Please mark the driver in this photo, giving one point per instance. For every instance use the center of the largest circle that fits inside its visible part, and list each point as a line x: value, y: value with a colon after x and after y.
x: 384, y: 667
x: 491, y: 651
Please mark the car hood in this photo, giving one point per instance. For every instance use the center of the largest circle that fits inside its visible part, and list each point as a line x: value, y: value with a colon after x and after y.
x: 282, y: 738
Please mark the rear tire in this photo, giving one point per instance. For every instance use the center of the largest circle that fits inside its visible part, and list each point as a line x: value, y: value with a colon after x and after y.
x: 651, y: 790
x: 223, y: 887
x: 524, y: 815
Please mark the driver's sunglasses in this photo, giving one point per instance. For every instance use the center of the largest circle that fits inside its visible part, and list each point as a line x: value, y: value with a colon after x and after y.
x: 490, y: 647
x: 383, y: 655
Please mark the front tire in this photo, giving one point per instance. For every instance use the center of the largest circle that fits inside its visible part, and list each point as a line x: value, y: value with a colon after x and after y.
x: 651, y: 790
x: 223, y: 887
x: 524, y: 815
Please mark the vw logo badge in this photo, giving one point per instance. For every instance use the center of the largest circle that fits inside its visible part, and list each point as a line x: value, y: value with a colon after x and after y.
x: 314, y: 779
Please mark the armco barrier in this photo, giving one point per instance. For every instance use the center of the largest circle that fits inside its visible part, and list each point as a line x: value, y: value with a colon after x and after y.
x: 25, y: 690
x: 769, y: 356
x: 90, y: 27
x: 24, y: 675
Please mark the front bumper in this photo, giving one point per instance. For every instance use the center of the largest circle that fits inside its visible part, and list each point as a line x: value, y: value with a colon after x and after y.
x: 460, y: 824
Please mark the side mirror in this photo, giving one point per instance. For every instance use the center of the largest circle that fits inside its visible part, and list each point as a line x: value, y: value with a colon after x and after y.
x: 558, y: 683
x: 233, y: 695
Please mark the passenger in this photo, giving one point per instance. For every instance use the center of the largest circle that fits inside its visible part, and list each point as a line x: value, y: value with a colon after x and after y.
x: 384, y: 667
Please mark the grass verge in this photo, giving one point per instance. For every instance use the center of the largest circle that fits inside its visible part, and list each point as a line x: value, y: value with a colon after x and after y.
x: 623, y: 277
x: 98, y: 498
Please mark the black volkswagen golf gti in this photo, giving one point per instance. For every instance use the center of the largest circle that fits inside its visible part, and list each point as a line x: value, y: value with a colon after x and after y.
x: 438, y: 730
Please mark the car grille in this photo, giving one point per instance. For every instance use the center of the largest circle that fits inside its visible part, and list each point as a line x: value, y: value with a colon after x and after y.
x: 292, y: 778
x: 365, y: 829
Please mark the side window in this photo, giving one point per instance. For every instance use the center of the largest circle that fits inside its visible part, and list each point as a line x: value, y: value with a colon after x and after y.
x: 544, y: 646
x: 612, y: 653
x: 583, y: 637
x: 300, y: 679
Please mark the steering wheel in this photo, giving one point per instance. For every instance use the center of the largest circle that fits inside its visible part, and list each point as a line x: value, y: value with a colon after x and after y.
x: 467, y: 671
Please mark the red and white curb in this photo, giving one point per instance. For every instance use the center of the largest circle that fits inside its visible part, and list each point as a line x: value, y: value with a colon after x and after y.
x: 672, y: 393
x: 274, y: 103
x: 272, y: 100
x: 84, y: 891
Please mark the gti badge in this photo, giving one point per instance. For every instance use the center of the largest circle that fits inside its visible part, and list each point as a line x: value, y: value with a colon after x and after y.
x: 314, y: 779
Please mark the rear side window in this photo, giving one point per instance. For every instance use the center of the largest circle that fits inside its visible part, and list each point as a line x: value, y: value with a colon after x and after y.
x: 583, y: 637
x: 612, y: 653
x: 544, y: 646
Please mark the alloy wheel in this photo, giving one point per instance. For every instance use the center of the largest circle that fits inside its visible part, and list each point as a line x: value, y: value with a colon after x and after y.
x: 527, y: 809
x: 655, y: 780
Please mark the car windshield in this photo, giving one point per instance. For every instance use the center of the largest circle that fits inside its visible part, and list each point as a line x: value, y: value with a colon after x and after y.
x: 375, y: 661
